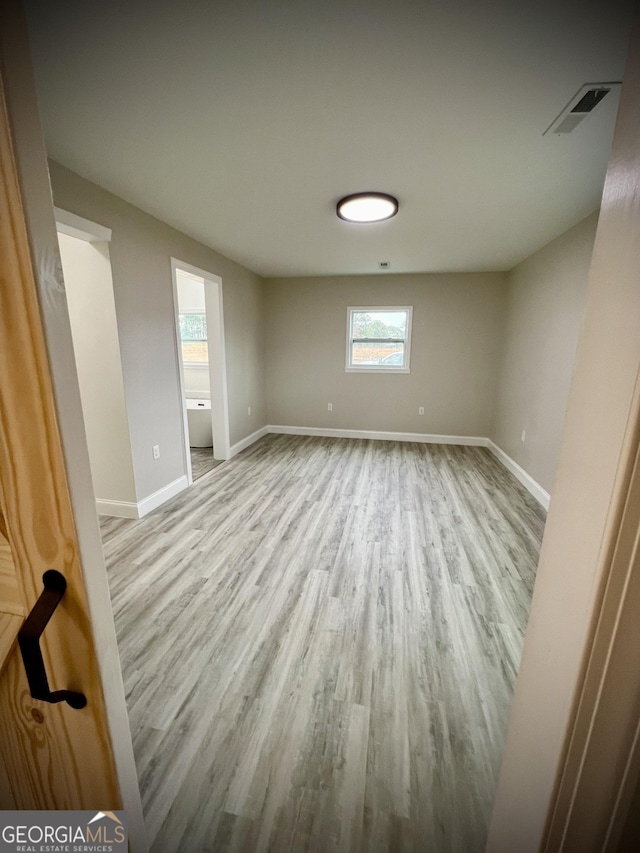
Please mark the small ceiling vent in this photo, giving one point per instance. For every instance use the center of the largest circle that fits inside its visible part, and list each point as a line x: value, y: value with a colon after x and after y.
x: 583, y: 102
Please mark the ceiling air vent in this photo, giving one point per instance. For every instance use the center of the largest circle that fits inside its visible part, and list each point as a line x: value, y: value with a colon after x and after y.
x: 579, y: 107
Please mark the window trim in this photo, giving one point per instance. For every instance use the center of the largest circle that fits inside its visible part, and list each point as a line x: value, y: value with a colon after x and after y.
x: 371, y: 368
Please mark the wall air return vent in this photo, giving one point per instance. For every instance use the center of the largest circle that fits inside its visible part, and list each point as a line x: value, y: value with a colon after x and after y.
x: 583, y: 102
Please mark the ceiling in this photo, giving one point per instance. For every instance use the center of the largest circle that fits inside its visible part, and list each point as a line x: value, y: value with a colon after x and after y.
x: 242, y: 122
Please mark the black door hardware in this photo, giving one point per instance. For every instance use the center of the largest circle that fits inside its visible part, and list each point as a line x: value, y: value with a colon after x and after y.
x: 29, y: 640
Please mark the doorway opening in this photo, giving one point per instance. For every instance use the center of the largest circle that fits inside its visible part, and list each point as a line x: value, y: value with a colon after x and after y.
x: 84, y: 251
x: 201, y: 367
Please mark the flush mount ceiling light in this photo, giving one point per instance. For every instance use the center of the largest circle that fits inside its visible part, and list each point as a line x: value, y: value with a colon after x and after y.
x: 367, y: 207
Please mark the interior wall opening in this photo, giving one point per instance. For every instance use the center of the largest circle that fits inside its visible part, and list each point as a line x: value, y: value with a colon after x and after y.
x: 202, y: 368
x: 92, y: 314
x: 194, y: 346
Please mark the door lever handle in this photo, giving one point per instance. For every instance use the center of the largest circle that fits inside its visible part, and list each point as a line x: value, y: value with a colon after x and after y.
x: 29, y: 641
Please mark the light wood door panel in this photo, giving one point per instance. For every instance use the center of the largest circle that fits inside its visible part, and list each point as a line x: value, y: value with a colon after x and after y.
x: 11, y: 607
x: 54, y: 757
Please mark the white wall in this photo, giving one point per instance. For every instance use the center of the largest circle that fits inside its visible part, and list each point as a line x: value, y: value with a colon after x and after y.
x: 89, y: 288
x: 190, y: 292
x: 196, y: 380
x: 545, y: 305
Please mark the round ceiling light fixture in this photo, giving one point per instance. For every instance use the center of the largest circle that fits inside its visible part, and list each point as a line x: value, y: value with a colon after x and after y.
x: 367, y: 207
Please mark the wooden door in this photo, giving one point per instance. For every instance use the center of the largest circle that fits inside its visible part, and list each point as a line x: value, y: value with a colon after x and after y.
x: 52, y: 756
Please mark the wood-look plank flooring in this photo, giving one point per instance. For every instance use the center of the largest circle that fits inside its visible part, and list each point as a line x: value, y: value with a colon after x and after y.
x: 319, y: 641
x: 202, y: 461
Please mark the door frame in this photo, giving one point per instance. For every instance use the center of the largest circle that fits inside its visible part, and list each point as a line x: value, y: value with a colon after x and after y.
x: 33, y: 178
x: 217, y: 363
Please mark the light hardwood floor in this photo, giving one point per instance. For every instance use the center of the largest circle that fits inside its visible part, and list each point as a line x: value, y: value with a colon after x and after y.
x: 202, y: 461
x: 319, y: 641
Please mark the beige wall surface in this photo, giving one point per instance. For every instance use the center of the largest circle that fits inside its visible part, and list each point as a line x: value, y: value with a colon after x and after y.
x: 457, y: 329
x: 546, y: 295
x: 141, y: 249
x: 598, y: 447
x: 89, y: 288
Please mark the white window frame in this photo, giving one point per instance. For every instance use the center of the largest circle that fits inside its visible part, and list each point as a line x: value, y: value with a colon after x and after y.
x: 196, y: 364
x: 377, y: 368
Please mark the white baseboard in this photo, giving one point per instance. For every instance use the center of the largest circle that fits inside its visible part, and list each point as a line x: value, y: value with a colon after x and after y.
x: 543, y: 497
x: 117, y: 509
x: 124, y: 509
x: 156, y: 499
x: 422, y: 438
x: 247, y: 441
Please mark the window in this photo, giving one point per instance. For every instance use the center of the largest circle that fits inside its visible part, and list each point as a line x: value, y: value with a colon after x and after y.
x: 193, y: 336
x: 378, y: 339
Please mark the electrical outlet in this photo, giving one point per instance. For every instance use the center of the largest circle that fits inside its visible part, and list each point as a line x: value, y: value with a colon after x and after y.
x: 249, y: 411
x: 329, y: 407
x: 524, y: 435
x: 156, y: 451
x: 421, y: 410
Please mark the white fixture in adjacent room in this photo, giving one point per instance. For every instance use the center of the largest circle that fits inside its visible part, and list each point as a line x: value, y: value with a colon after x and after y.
x: 367, y: 207
x: 199, y: 419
